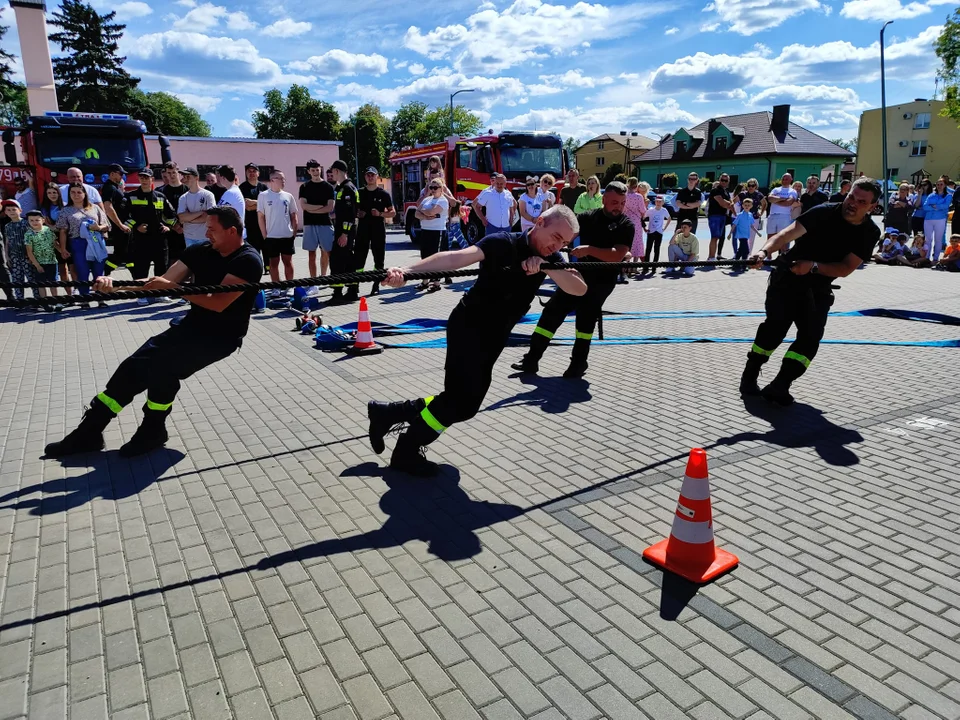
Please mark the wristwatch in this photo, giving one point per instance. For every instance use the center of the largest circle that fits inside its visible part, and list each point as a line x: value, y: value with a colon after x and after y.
x: 814, y: 269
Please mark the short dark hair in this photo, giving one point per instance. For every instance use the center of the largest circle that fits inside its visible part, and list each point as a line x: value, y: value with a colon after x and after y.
x: 311, y: 163
x: 171, y: 165
x: 86, y: 197
x: 35, y: 213
x: 616, y: 187
x: 227, y: 217
x: 845, y: 182
x: 227, y: 171
x: 868, y: 184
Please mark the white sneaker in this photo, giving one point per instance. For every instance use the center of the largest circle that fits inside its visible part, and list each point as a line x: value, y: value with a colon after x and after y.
x: 143, y: 301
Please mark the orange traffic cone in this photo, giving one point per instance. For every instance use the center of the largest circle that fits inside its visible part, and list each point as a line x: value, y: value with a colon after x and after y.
x: 364, y: 344
x: 690, y: 551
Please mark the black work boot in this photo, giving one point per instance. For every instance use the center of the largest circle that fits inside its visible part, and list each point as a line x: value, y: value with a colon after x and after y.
x: 353, y: 294
x: 578, y: 360
x: 337, y: 297
x: 751, y: 373
x: 151, y: 434
x: 410, y: 457
x: 88, y: 437
x: 530, y: 363
x: 779, y: 390
x: 375, y: 290
x: 385, y: 417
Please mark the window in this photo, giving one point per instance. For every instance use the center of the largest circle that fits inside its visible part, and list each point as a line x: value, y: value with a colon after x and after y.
x: 265, y: 171
x: 892, y: 173
x: 711, y: 176
x: 464, y: 157
x: 919, y: 148
x: 922, y: 122
x: 681, y: 147
x: 601, y: 161
x: 204, y: 169
x: 720, y: 143
x: 157, y: 173
x: 303, y: 175
x: 600, y: 144
x: 734, y: 181
x: 793, y: 173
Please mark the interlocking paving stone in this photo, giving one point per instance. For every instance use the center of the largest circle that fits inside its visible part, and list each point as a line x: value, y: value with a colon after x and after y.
x: 149, y: 601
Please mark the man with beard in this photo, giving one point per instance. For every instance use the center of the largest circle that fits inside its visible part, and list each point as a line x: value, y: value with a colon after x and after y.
x: 832, y: 240
x: 605, y: 236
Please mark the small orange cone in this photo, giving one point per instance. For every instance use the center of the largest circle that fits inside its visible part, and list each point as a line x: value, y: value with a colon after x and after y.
x: 364, y: 344
x: 690, y: 551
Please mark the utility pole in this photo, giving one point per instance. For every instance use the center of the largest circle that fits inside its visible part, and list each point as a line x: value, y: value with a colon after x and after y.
x: 883, y: 117
x: 452, y: 96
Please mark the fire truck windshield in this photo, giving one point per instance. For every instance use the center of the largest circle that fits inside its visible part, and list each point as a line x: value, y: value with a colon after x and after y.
x: 518, y: 161
x: 59, y: 149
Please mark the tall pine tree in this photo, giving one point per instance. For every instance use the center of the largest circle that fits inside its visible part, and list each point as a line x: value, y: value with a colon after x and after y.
x: 90, y: 75
x: 5, y: 58
x: 13, y: 96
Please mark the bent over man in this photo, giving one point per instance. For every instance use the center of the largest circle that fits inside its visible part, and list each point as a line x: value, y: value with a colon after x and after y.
x: 832, y: 240
x: 477, y: 331
x: 212, y: 329
x: 605, y: 236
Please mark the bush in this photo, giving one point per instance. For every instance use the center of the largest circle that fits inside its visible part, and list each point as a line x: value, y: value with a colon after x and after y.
x: 669, y: 180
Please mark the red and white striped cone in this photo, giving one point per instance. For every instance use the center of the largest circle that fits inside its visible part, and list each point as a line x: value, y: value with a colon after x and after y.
x: 364, y: 344
x: 690, y: 551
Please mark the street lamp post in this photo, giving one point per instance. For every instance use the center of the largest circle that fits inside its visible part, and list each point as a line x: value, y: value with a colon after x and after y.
x: 452, y: 96
x: 356, y: 150
x: 659, y: 162
x: 883, y: 117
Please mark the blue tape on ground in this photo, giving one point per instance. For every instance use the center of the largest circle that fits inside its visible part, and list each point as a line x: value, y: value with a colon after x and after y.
x: 662, y: 340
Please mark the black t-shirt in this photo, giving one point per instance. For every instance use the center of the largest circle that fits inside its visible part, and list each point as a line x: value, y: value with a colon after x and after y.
x: 600, y: 230
x: 502, y: 296
x: 217, y: 189
x: 829, y: 239
x: 317, y: 193
x: 686, y: 195
x: 837, y: 197
x: 110, y: 192
x: 809, y: 201
x: 209, y: 268
x: 173, y: 194
x: 250, y: 220
x: 898, y: 213
x: 570, y: 194
x: 377, y: 199
x: 713, y: 207
x: 757, y: 198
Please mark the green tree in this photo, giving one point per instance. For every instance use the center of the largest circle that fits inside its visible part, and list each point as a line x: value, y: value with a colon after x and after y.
x: 89, y: 75
x: 669, y: 180
x: 612, y: 171
x: 13, y: 96
x: 166, y: 114
x: 850, y: 145
x: 296, y: 116
x: 372, y: 130
x: 571, y: 144
x: 5, y: 58
x: 436, y: 124
x: 404, y: 125
x: 947, y: 47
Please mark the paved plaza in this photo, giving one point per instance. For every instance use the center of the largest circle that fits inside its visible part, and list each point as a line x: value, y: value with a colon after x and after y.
x: 268, y: 565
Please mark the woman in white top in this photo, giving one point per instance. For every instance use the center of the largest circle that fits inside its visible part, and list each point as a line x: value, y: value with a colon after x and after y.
x: 547, y: 181
x: 432, y: 213
x: 531, y: 204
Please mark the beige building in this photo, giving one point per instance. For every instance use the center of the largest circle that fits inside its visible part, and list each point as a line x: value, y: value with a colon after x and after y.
x: 920, y: 143
x: 594, y: 156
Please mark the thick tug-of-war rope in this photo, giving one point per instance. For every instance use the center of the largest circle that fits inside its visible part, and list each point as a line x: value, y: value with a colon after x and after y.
x: 343, y: 279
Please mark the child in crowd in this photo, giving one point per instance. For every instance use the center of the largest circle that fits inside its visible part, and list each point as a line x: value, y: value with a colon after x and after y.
x: 916, y: 256
x: 13, y: 234
x: 892, y: 249
x: 684, y: 247
x: 454, y: 228
x: 41, y: 244
x: 951, y: 256
x: 658, y: 221
x: 744, y: 223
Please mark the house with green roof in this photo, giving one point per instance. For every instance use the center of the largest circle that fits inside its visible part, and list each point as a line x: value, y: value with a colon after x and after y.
x: 761, y: 145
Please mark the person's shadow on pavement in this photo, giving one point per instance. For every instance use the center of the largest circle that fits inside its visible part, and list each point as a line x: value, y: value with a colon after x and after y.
x: 551, y: 394
x: 435, y: 511
x: 110, y: 478
x: 799, y: 426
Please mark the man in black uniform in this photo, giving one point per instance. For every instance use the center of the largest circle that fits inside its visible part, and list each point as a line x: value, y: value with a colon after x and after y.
x: 173, y: 189
x: 375, y: 206
x: 150, y: 216
x: 840, y: 196
x: 112, y: 194
x: 605, y: 236
x: 251, y: 189
x: 813, y: 196
x: 688, y: 202
x: 212, y: 329
x: 832, y: 240
x: 477, y: 331
x: 344, y: 232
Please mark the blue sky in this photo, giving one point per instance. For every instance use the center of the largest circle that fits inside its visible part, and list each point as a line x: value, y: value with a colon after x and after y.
x: 578, y: 68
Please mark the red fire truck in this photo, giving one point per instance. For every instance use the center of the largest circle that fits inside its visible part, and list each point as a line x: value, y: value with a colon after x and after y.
x: 468, y: 164
x: 51, y: 144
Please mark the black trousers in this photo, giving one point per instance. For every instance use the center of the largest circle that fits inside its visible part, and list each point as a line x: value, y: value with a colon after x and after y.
x: 653, y: 246
x: 587, y: 307
x: 793, y: 301
x: 176, y: 244
x: 473, y: 346
x: 431, y: 242
x: 162, y: 362
x: 371, y: 236
x: 146, y: 248
x: 341, y: 258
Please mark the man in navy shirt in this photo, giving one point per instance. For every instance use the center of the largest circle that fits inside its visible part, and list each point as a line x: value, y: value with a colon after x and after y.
x: 477, y: 331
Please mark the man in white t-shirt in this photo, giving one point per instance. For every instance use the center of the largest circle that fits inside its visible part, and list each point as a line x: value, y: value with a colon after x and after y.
x: 781, y: 200
x: 192, y: 208
x: 232, y: 197
x: 496, y: 207
x: 75, y: 177
x: 277, y: 215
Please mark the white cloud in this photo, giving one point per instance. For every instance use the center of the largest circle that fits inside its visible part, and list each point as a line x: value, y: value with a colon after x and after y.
x: 882, y: 9
x: 239, y: 20
x: 201, y: 103
x: 748, y: 17
x: 202, y: 17
x: 186, y: 3
x: 576, y: 78
x: 525, y: 31
x: 128, y: 10
x: 339, y: 63
x: 400, y: 65
x: 807, y: 95
x: 287, y: 28
x: 417, y: 69
x: 435, y: 88
x: 241, y: 128
x: 594, y: 120
x: 671, y: 31
x: 737, y: 95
